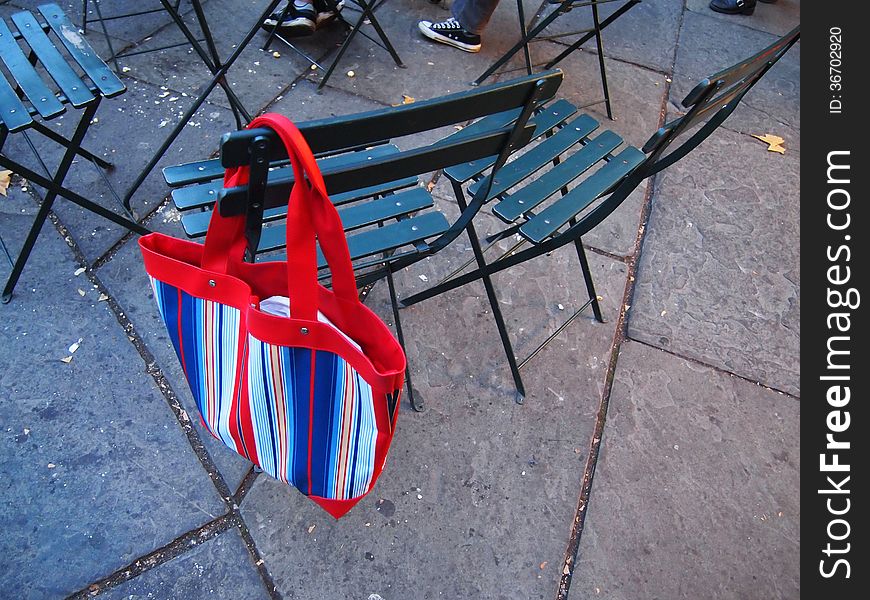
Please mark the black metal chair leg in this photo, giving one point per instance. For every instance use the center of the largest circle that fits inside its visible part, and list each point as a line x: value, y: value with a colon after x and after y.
x: 587, y: 276
x: 367, y: 13
x: 217, y: 78
x: 52, y: 193
x: 493, y: 301
x: 56, y: 137
x: 274, y: 31
x: 416, y: 404
x: 113, y: 56
x: 601, y: 67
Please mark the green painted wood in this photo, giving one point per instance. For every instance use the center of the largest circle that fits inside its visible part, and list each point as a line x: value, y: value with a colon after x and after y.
x: 206, y: 170
x: 551, y: 116
x: 99, y: 72
x: 538, y: 157
x: 360, y: 129
x: 352, y: 217
x: 233, y: 201
x: 372, y: 241
x: 525, y: 199
x: 75, y: 90
x: 193, y: 172
x: 549, y: 220
x: 13, y: 114
x: 204, y: 195
x: 42, y: 98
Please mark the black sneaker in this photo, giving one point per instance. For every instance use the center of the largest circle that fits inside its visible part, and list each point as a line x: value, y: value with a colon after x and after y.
x: 299, y: 20
x: 450, y: 32
x: 325, y: 13
x: 733, y: 7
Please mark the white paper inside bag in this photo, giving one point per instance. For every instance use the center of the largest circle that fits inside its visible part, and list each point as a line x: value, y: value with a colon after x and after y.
x: 280, y: 306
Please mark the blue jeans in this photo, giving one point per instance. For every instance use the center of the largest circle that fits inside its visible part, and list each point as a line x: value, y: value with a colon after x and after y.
x: 473, y: 15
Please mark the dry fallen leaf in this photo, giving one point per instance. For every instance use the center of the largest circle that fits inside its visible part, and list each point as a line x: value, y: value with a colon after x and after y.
x: 407, y: 99
x: 5, y: 178
x: 774, y: 142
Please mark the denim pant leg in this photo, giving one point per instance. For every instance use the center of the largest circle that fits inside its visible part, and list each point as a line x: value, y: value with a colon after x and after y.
x: 473, y: 15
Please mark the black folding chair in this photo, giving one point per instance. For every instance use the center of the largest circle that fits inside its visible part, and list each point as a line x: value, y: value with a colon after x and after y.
x: 538, y: 205
x: 367, y: 15
x: 391, y: 221
x: 539, y: 23
x: 53, y: 47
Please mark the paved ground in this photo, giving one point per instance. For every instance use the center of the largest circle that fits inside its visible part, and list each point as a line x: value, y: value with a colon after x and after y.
x: 685, y: 404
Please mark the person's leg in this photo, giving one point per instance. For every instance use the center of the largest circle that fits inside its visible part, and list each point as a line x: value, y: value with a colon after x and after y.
x: 297, y: 19
x: 462, y: 30
x: 473, y: 15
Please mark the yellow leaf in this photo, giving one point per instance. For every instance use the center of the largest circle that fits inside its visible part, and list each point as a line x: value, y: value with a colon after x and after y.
x: 774, y: 142
x: 407, y: 99
x: 5, y: 177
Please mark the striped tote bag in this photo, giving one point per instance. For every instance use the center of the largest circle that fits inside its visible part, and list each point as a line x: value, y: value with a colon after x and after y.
x: 302, y: 380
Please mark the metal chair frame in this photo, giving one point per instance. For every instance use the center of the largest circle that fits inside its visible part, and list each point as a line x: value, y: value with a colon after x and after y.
x: 30, y: 98
x: 710, y: 103
x: 219, y: 70
x: 266, y: 191
x: 367, y: 12
x: 531, y: 33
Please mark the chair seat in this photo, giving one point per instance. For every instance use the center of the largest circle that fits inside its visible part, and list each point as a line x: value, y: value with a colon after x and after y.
x: 46, y: 97
x: 548, y: 118
x: 516, y: 205
x: 543, y: 154
x: 549, y: 220
x: 408, y: 231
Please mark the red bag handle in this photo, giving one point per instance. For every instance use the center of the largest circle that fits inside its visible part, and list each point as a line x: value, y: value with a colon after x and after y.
x: 310, y: 216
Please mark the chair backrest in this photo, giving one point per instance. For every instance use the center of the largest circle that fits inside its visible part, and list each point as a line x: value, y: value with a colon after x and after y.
x: 713, y: 100
x: 516, y: 99
x: 710, y: 102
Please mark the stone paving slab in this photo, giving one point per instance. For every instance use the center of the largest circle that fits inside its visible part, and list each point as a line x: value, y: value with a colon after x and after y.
x: 719, y: 276
x: 96, y: 469
x: 777, y: 18
x: 708, y: 45
x: 220, y: 568
x: 128, y: 284
x: 257, y: 77
x: 645, y: 35
x: 695, y: 491
x: 636, y: 95
x: 125, y: 31
x: 73, y: 11
x: 432, y: 69
x: 479, y: 493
